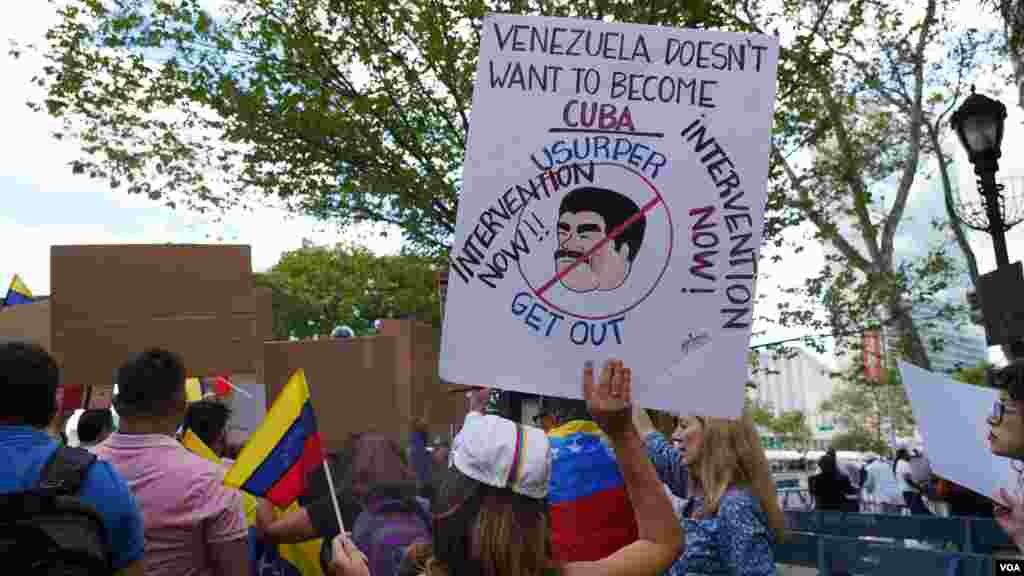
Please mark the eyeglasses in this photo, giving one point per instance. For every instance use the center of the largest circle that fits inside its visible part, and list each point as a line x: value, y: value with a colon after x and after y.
x: 999, y: 410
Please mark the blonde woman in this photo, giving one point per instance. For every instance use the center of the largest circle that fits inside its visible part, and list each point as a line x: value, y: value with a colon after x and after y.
x: 731, y: 517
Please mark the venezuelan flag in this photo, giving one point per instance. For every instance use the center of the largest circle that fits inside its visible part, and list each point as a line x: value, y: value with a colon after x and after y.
x: 587, y: 490
x: 277, y: 458
x: 18, y: 293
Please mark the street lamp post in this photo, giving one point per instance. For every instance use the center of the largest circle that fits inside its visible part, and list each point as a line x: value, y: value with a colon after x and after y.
x: 979, y: 125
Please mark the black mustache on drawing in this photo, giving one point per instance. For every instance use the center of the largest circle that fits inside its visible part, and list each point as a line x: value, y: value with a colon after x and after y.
x: 559, y: 254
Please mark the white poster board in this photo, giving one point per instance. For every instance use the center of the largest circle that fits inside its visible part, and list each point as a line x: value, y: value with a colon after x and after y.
x: 247, y: 410
x: 952, y: 418
x: 614, y: 191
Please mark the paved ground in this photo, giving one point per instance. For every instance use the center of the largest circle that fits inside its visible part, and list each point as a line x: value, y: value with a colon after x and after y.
x: 787, y: 570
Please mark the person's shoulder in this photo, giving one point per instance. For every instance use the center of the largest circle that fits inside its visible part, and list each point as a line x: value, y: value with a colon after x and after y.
x: 740, y: 507
x: 738, y: 494
x: 107, y: 491
x: 102, y: 476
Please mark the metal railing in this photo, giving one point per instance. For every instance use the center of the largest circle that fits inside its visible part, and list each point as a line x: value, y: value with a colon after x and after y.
x: 837, y: 542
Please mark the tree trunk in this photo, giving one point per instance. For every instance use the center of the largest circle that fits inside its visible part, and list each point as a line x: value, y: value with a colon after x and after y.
x: 912, y: 348
x: 1017, y: 59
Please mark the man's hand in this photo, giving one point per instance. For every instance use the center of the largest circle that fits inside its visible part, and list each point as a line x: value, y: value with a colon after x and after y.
x: 348, y: 560
x: 1009, y: 512
x: 264, y: 516
x: 610, y: 397
x: 420, y: 425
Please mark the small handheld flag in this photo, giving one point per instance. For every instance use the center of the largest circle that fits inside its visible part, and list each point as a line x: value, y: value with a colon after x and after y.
x: 277, y: 458
x: 197, y: 389
x: 17, y: 293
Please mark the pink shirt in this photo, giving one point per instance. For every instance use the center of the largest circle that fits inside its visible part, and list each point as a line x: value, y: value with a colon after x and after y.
x: 184, y: 504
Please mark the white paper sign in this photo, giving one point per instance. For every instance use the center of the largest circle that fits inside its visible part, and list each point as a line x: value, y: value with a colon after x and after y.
x: 952, y: 418
x: 614, y: 191
x: 247, y: 412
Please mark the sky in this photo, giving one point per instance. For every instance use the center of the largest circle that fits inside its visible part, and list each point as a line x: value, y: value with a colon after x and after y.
x: 45, y: 205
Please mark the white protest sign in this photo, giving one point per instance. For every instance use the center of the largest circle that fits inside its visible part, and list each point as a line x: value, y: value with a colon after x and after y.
x: 614, y: 191
x: 952, y: 418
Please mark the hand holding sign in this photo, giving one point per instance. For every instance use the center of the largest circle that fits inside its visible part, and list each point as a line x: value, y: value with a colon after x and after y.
x: 1010, y: 516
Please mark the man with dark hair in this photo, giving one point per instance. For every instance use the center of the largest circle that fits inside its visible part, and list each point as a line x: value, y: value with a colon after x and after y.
x: 586, y: 217
x: 194, y: 524
x: 208, y: 419
x: 94, y: 426
x: 29, y: 378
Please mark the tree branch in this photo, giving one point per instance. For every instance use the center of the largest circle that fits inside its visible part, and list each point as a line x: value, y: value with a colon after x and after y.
x: 804, y: 206
x: 910, y: 167
x: 851, y: 170
x: 947, y: 189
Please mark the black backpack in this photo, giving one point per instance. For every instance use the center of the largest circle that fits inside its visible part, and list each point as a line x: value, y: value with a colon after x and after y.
x: 47, y: 530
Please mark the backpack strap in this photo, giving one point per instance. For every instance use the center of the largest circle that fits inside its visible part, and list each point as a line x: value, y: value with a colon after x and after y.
x: 65, y: 471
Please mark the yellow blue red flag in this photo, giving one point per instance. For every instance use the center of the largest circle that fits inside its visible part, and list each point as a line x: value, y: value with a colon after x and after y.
x: 283, y: 451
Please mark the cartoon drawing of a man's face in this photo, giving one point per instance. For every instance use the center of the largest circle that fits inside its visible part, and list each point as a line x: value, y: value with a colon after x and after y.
x: 585, y: 260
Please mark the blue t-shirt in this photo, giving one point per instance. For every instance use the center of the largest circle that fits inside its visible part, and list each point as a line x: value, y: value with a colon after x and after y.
x: 26, y: 450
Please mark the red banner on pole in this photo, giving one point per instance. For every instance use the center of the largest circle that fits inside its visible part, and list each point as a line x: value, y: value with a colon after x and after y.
x: 873, y: 356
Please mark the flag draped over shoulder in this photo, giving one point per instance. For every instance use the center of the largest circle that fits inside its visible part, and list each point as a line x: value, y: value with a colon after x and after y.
x: 17, y: 293
x: 587, y: 489
x: 277, y: 458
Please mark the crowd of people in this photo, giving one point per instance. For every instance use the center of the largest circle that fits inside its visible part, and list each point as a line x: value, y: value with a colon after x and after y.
x: 598, y: 489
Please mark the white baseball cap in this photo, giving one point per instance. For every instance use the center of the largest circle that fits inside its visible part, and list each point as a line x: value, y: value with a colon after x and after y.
x: 501, y: 453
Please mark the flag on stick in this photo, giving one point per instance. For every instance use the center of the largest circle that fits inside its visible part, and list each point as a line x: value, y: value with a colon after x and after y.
x: 277, y: 458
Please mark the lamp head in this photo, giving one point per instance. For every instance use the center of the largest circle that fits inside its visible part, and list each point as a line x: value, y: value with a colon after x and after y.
x: 979, y: 125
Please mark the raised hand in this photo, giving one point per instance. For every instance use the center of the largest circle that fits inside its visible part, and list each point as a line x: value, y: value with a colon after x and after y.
x: 1009, y: 512
x: 610, y: 397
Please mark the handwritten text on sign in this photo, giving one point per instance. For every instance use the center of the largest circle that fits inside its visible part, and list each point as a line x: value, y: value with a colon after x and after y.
x: 613, y: 205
